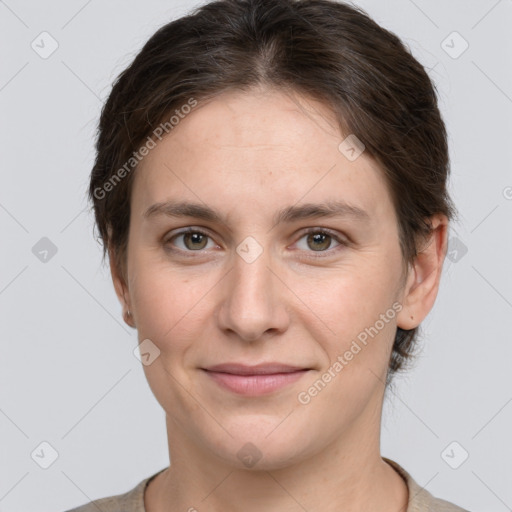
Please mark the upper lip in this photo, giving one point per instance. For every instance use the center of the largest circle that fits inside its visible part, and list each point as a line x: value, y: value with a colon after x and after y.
x: 259, y: 369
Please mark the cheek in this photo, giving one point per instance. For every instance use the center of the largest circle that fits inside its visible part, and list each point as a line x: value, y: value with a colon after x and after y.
x: 168, y: 314
x: 173, y: 307
x: 162, y: 301
x: 353, y: 310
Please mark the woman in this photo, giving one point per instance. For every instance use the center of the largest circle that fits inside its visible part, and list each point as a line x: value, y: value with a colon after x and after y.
x: 270, y: 187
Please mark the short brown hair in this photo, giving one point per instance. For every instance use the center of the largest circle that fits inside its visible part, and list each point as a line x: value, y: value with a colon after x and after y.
x: 327, y: 50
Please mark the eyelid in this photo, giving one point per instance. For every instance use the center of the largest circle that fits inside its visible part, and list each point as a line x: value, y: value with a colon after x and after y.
x: 343, y: 241
x: 189, y: 229
x: 334, y: 234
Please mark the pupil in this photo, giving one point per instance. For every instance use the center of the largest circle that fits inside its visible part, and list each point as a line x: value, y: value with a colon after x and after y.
x: 320, y: 237
x: 195, y: 238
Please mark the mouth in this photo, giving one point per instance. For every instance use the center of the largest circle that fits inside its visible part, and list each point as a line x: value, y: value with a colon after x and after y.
x: 255, y: 380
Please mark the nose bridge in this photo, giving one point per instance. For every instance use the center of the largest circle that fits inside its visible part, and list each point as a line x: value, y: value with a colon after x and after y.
x: 252, y: 303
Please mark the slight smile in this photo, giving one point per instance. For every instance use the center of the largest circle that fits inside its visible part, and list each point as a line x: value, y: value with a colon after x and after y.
x: 255, y: 380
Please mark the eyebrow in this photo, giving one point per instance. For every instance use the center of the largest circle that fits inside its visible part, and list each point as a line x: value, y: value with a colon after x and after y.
x: 288, y: 214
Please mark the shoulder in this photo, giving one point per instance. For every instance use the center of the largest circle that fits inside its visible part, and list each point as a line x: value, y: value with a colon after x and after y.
x: 131, y: 501
x: 420, y: 500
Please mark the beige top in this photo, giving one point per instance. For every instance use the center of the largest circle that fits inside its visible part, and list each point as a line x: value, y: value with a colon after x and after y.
x: 420, y: 500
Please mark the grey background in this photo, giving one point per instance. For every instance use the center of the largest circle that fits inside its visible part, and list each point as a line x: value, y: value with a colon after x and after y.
x: 68, y: 375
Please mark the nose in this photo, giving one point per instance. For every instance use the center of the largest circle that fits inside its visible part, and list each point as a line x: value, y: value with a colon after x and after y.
x: 253, y: 300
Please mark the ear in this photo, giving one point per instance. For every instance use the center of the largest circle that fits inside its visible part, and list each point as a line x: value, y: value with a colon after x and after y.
x: 121, y: 288
x: 420, y: 290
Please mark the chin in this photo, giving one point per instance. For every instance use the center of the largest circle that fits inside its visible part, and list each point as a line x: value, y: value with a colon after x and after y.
x: 260, y: 446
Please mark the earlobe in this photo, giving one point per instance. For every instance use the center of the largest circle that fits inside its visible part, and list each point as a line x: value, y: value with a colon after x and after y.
x: 422, y: 284
x: 121, y: 289
x: 405, y: 318
x: 128, y: 318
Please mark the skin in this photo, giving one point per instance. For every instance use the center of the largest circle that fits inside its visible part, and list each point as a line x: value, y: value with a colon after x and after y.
x: 248, y: 155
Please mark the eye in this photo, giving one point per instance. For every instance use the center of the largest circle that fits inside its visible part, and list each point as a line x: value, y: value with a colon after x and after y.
x: 192, y: 240
x: 320, y: 240
x: 314, y: 240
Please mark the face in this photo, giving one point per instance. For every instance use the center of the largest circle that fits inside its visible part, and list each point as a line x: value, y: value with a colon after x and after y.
x: 233, y: 260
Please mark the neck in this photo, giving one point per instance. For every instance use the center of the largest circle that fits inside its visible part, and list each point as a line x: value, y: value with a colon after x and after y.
x: 348, y: 474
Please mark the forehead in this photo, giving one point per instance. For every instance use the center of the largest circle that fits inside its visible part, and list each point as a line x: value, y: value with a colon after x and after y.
x: 263, y: 147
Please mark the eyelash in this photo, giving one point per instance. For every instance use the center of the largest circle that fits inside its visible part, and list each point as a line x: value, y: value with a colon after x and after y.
x: 314, y: 254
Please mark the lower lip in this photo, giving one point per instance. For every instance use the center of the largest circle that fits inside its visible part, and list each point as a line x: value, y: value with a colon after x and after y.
x: 254, y: 385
